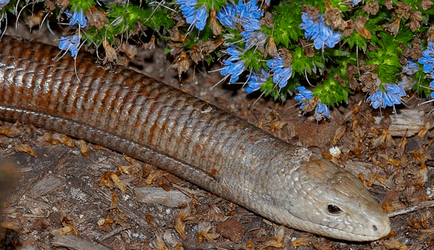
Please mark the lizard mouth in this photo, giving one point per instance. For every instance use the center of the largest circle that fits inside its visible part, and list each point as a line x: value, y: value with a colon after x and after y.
x: 376, y: 231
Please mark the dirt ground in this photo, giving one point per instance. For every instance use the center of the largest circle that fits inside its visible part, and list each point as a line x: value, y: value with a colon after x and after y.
x: 74, y: 195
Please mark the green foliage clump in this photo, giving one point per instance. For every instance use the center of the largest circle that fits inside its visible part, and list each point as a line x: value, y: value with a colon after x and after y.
x: 335, y: 48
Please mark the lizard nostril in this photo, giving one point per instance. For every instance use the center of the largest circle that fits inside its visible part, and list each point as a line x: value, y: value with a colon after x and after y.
x: 374, y: 227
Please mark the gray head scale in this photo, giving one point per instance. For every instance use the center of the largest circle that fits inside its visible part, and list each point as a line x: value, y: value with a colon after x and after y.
x: 325, y: 199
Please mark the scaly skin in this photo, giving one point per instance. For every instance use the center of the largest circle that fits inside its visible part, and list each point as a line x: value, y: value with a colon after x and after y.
x: 137, y: 115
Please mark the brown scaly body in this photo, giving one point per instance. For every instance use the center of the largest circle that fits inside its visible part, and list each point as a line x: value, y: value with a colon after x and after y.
x: 153, y: 122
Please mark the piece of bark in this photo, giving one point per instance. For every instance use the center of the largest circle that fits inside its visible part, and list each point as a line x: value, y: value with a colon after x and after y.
x: 155, y: 195
x: 408, y: 122
x: 73, y: 242
x: 46, y: 185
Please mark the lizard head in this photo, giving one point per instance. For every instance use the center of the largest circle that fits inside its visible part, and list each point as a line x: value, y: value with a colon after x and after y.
x: 325, y: 199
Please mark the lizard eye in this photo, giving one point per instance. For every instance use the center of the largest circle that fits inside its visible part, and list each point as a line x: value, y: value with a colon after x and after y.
x: 333, y: 209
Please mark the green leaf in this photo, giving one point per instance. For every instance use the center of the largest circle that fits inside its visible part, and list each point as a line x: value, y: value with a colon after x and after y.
x: 212, y: 4
x: 287, y: 20
x: 77, y: 5
x: 331, y: 92
x: 386, y: 58
x: 303, y: 64
x: 356, y: 40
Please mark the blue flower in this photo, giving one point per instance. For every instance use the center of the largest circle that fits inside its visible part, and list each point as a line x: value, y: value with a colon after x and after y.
x: 234, y: 65
x: 410, y: 68
x: 390, y: 97
x: 281, y: 73
x: 427, y: 59
x: 281, y: 76
x: 406, y: 82
x: 431, y: 84
x: 275, y: 63
x: 253, y: 38
x: 321, y: 112
x: 355, y: 2
x: 249, y: 10
x: 234, y: 69
x: 76, y: 18
x: 247, y: 14
x: 226, y: 16
x: 70, y: 43
x: 256, y: 80
x: 235, y: 54
x: 303, y: 95
x: 194, y: 16
x: 3, y: 3
x: 320, y: 33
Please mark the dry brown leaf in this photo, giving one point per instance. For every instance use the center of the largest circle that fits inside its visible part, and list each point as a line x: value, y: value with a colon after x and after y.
x: 62, y: 231
x: 393, y: 243
x: 359, y: 25
x: 388, y: 4
x: 175, y: 36
x: 286, y: 56
x: 209, y: 46
x: 311, y: 12
x: 49, y: 139
x: 333, y: 17
x: 118, y: 183
x: 403, y: 9
x: 26, y: 149
x: 64, y: 139
x: 105, y: 180
x: 129, y: 50
x: 84, y: 149
x: 271, y: 47
x: 35, y: 19
x: 267, y: 20
x: 204, y: 229
x: 372, y: 8
x: 110, y: 53
x: 426, y: 4
x: 351, y: 70
x: 213, y: 24
x: 154, y: 175
x: 301, y: 242
x: 308, y: 49
x: 159, y: 244
x: 349, y: 28
x: 370, y: 82
x: 50, y: 5
x: 114, y: 201
x: 129, y: 170
x: 131, y: 160
x: 10, y: 132
x: 339, y: 133
x: 416, y: 18
x: 151, y: 44
x: 393, y: 162
x: 393, y: 28
x: 179, y: 222
x: 416, y: 51
x: 96, y: 18
x: 181, y: 64
x: 310, y: 105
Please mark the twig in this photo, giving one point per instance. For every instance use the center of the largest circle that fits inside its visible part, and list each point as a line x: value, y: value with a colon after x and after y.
x: 422, y: 205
